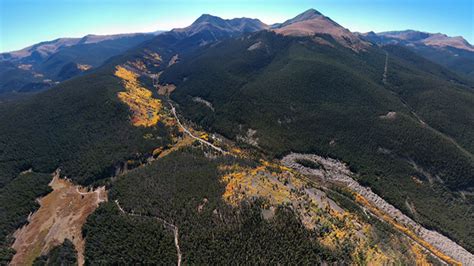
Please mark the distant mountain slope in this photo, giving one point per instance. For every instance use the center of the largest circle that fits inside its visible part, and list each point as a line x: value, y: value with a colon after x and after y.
x: 430, y: 39
x: 20, y: 77
x: 454, y: 53
x: 58, y: 60
x: 45, y: 49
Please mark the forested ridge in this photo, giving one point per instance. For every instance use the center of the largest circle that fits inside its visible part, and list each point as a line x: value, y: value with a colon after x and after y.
x: 299, y: 97
x: 80, y: 127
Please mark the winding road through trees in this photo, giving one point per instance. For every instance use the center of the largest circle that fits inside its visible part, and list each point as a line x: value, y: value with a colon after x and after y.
x: 170, y: 226
x: 173, y: 110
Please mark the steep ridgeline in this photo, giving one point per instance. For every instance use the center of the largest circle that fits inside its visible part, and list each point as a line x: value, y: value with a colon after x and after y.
x: 454, y: 53
x: 316, y: 94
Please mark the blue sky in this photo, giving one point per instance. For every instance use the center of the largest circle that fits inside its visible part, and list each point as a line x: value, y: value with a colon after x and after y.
x: 25, y: 22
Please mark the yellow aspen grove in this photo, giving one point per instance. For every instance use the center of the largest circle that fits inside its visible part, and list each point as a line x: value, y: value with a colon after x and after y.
x: 144, y: 107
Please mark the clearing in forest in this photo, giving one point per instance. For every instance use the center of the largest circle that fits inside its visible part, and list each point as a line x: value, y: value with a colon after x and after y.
x: 61, y: 215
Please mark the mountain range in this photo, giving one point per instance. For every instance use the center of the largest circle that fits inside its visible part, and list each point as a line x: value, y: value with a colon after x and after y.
x: 42, y: 65
x: 45, y: 64
x: 236, y: 142
x: 455, y: 53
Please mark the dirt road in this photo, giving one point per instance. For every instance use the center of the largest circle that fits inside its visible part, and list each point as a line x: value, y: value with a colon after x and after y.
x: 170, y: 226
x: 173, y: 110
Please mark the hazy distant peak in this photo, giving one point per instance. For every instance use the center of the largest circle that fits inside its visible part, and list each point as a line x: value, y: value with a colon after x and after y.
x: 407, y: 35
x: 443, y: 40
x: 425, y: 38
x: 93, y: 38
x: 46, y: 48
x: 43, y: 48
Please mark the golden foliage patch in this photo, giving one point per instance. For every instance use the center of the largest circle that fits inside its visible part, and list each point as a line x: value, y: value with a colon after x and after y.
x: 280, y: 186
x: 144, y: 107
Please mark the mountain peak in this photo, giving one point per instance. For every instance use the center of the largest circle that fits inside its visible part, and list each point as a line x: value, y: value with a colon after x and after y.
x: 310, y: 13
x: 307, y: 15
x: 312, y: 22
x: 207, y: 18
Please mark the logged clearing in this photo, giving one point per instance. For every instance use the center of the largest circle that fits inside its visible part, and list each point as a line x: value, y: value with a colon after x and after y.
x: 60, y: 216
x: 83, y: 67
x: 166, y: 89
x: 173, y: 60
x: 144, y: 107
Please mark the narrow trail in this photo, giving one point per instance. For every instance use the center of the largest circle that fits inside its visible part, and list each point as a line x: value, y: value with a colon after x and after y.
x: 173, y: 110
x: 448, y: 138
x: 420, y: 120
x: 384, y: 79
x: 170, y: 226
x: 405, y: 104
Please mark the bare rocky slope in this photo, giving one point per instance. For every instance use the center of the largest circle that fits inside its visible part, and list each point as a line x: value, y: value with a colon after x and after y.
x: 336, y: 172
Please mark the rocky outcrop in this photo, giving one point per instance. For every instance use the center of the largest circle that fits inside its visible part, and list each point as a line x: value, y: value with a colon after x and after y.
x: 337, y: 172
